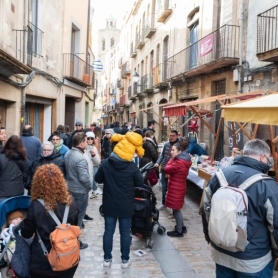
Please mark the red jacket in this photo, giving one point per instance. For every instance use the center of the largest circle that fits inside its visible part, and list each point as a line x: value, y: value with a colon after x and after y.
x: 178, y: 169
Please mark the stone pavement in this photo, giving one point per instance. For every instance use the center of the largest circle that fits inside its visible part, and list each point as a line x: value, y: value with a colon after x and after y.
x: 170, y: 257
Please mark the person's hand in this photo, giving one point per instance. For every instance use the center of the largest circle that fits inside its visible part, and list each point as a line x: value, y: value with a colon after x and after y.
x: 92, y: 153
x: 156, y: 165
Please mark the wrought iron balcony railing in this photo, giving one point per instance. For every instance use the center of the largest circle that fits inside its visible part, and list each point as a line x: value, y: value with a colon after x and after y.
x: 133, y: 51
x: 125, y: 70
x: 149, y: 29
x: 140, y: 42
x: 220, y: 48
x: 36, y: 39
x: 267, y: 37
x: 77, y: 70
x: 120, y: 84
x: 163, y: 10
x: 146, y: 83
x: 122, y: 100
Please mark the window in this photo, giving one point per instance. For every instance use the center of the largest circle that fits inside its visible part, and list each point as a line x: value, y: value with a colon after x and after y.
x: 103, y: 45
x: 112, y: 42
x: 157, y: 54
x: 165, y: 57
x: 151, y: 63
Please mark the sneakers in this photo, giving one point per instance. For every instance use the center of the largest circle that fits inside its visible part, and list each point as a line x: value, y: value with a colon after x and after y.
x: 94, y: 195
x: 83, y: 245
x: 184, y: 230
x: 98, y: 191
x: 161, y: 207
x: 175, y: 234
x: 88, y: 218
x: 125, y: 264
x: 107, y: 262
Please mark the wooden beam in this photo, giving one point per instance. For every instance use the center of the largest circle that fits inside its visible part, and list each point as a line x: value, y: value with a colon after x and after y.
x: 202, y: 120
x: 255, y: 131
x: 234, y: 134
x: 244, y: 131
x: 187, y: 121
x: 275, y: 140
x: 216, y: 139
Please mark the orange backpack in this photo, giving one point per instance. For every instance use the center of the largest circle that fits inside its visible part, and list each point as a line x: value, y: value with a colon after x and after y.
x: 65, y: 250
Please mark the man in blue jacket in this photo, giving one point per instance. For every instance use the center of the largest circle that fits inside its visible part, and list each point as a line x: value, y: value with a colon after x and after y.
x: 257, y: 260
x: 119, y: 177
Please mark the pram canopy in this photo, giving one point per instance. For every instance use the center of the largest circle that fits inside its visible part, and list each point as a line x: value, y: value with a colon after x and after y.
x: 11, y: 204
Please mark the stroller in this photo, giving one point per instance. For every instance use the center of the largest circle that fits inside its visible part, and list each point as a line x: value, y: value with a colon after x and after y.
x: 146, y: 214
x: 20, y: 203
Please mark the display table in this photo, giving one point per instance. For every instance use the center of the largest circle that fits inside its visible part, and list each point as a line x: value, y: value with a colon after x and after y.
x: 194, y: 177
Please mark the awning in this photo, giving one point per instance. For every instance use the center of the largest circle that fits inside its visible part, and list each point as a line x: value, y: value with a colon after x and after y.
x: 261, y: 110
x: 179, y: 110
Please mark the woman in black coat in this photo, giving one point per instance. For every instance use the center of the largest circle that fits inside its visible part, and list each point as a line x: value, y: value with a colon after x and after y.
x: 151, y: 153
x: 14, y: 168
x: 49, y: 185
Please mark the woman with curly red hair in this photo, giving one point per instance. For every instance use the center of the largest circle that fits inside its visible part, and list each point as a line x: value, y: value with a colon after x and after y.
x: 49, y: 185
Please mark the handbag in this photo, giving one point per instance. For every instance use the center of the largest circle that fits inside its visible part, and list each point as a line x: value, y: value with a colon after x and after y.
x: 151, y: 177
x: 21, y: 257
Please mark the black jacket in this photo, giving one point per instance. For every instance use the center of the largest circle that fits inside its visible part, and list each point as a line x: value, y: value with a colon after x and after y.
x: 151, y: 153
x: 106, y: 148
x: 13, y: 175
x: 119, y: 179
x: 38, y: 219
x: 151, y: 129
x: 54, y: 158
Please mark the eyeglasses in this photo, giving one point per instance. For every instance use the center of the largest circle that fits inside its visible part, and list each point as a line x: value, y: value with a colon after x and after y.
x: 78, y: 125
x: 47, y: 150
x: 90, y: 138
x: 55, y: 139
x: 268, y: 162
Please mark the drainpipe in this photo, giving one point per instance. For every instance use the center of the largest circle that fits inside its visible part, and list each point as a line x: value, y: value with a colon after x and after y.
x: 240, y: 46
x: 88, y: 31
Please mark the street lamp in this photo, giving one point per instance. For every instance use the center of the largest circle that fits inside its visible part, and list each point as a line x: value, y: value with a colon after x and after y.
x: 136, y: 77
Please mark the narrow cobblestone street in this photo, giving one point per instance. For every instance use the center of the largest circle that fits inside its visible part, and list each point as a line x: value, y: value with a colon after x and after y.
x: 195, y: 252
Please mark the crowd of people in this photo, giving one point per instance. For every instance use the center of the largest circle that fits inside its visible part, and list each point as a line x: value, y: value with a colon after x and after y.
x: 70, y: 168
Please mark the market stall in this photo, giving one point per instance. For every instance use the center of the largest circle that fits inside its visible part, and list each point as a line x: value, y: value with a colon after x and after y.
x: 261, y: 110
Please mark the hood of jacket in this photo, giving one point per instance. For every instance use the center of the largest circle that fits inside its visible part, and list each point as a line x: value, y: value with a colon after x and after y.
x: 118, y: 163
x: 251, y: 162
x: 184, y: 156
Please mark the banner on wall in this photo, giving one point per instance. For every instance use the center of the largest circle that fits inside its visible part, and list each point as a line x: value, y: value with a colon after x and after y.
x: 206, y: 45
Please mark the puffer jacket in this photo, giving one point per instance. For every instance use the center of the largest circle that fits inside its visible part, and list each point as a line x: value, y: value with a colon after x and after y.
x: 151, y: 153
x: 178, y: 169
x: 13, y: 176
x: 78, y: 177
x: 54, y: 158
x: 128, y: 145
x: 262, y: 218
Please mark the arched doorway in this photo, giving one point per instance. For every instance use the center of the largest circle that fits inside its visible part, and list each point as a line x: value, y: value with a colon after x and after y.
x: 163, y: 135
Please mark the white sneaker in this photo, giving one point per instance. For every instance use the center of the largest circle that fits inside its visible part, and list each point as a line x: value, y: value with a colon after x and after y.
x: 161, y: 207
x: 93, y: 195
x: 98, y: 191
x: 107, y: 262
x: 125, y: 264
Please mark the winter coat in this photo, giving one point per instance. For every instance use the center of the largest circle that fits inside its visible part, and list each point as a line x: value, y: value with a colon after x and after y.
x: 262, y: 217
x: 13, y: 176
x: 119, y: 179
x: 54, y: 158
x: 195, y: 148
x: 38, y: 219
x: 62, y: 148
x: 178, y: 169
x: 151, y: 153
x: 106, y: 148
x: 151, y: 129
x: 78, y: 177
x: 92, y: 160
x: 128, y: 145
x: 33, y: 146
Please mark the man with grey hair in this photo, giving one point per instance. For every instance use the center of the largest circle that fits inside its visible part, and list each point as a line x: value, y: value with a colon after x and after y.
x: 257, y: 260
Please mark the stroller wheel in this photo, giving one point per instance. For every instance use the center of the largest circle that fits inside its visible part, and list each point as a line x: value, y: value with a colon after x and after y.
x: 100, y: 211
x: 149, y: 243
x: 161, y: 230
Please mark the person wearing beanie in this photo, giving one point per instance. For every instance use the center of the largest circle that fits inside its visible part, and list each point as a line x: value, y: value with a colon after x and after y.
x: 127, y: 145
x: 78, y: 128
x: 118, y: 193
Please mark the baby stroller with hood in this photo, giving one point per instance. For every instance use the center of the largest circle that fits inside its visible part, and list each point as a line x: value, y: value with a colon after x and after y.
x: 146, y: 215
x: 7, y: 239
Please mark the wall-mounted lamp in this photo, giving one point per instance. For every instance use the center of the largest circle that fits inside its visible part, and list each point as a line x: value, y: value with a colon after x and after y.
x: 136, y: 77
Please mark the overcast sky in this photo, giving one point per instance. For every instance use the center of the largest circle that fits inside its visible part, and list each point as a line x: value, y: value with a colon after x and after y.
x: 104, y: 8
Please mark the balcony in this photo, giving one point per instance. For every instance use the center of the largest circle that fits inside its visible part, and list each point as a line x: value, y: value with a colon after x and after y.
x: 146, y: 84
x: 120, y: 84
x: 122, y: 100
x: 162, y: 10
x: 132, y: 92
x: 133, y: 51
x: 149, y: 30
x: 217, y: 50
x: 125, y: 70
x: 139, y: 42
x: 17, y: 58
x: 36, y: 40
x: 77, y: 70
x: 267, y: 39
x: 120, y: 63
x: 158, y: 78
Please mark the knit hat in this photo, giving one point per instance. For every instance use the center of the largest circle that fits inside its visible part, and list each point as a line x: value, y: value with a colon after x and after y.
x: 128, y: 145
x: 110, y: 130
x: 15, y: 214
x: 79, y: 123
x: 90, y: 134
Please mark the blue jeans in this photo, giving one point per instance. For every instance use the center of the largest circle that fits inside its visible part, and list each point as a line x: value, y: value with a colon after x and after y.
x: 110, y: 225
x: 164, y: 183
x: 225, y: 272
x: 95, y: 185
